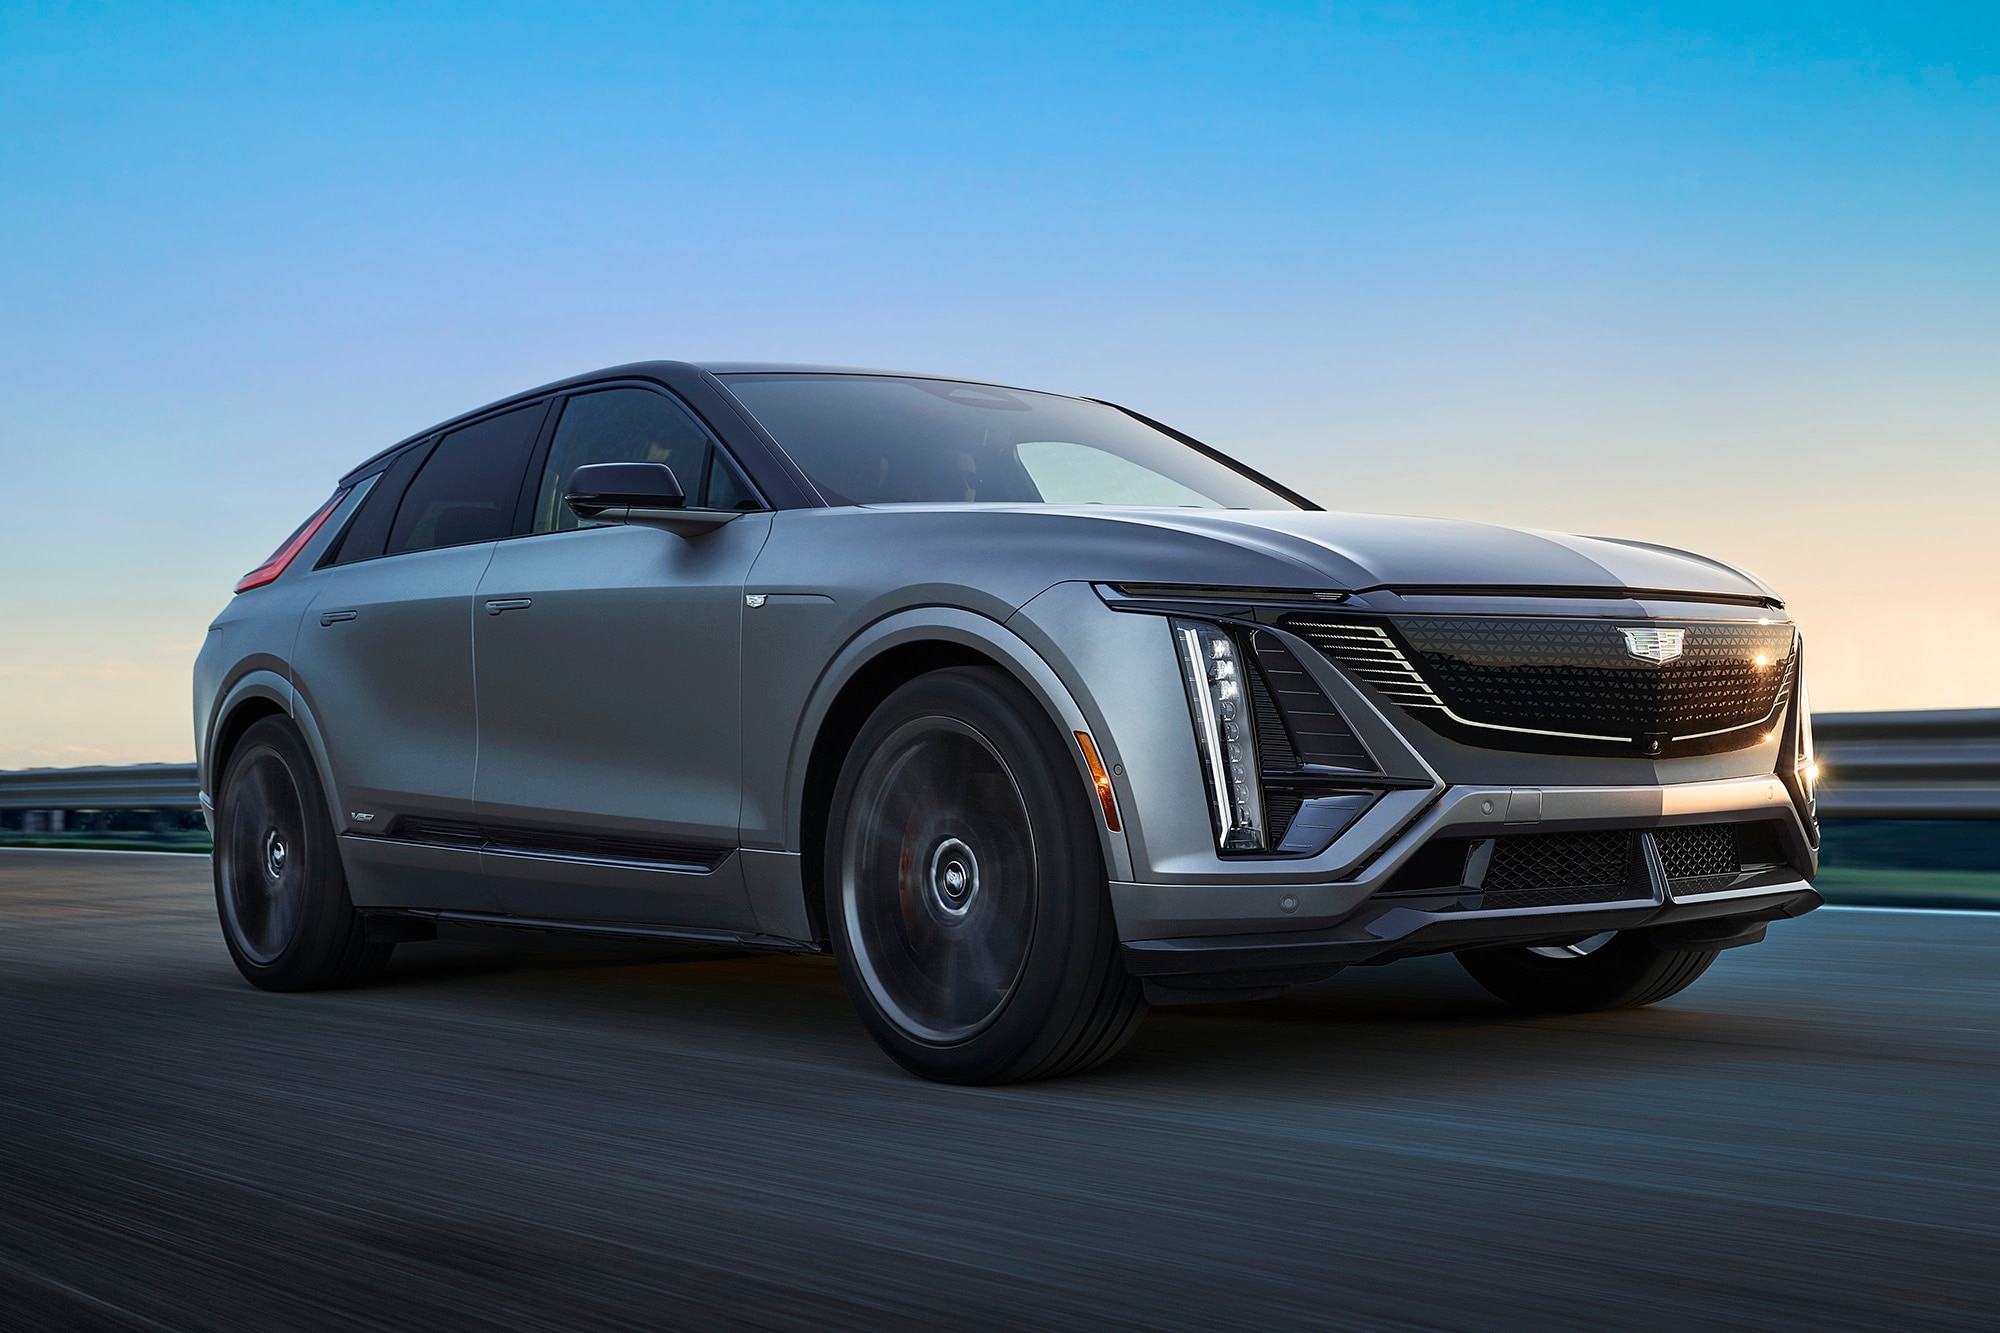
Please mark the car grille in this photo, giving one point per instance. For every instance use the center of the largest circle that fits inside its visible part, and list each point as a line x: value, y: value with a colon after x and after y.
x: 1558, y: 869
x: 1699, y: 858
x: 1569, y: 685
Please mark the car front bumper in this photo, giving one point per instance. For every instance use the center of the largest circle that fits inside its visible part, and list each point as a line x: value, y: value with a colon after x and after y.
x: 1387, y: 930
x: 1249, y: 933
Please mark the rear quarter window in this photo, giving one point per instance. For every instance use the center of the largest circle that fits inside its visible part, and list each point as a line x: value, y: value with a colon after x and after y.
x: 470, y: 485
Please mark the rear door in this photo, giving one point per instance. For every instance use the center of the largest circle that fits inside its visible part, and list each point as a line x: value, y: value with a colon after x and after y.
x: 608, y: 684
x: 384, y: 664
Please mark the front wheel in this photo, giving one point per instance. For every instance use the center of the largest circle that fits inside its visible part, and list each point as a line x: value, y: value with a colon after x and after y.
x: 279, y: 886
x: 1601, y: 972
x: 965, y: 889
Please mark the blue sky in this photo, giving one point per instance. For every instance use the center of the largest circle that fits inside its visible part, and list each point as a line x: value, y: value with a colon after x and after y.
x: 1723, y: 276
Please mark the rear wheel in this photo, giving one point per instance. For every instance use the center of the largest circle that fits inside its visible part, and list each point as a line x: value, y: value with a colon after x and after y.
x: 279, y: 887
x: 1600, y: 972
x: 965, y: 889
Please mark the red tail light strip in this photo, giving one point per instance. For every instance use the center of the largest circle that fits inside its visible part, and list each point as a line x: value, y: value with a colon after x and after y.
x: 284, y: 555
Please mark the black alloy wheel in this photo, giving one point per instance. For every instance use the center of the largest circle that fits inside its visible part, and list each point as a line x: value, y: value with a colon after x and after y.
x: 965, y: 888
x: 279, y: 886
x: 1606, y: 971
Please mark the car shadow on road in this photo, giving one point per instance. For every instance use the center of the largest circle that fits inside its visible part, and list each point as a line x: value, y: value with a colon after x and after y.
x: 1422, y: 1027
x: 1421, y: 1024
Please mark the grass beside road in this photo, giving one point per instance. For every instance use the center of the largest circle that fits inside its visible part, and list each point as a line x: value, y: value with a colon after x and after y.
x: 1910, y: 862
x: 177, y: 840
x: 1868, y: 886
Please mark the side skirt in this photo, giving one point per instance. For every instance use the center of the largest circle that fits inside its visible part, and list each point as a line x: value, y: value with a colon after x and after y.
x: 405, y: 923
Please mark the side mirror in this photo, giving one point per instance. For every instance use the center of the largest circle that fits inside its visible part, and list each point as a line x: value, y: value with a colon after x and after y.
x: 646, y: 494
x: 596, y: 487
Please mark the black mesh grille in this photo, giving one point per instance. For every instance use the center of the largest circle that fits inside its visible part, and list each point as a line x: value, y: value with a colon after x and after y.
x: 1699, y: 858
x: 1549, y: 869
x: 1559, y: 897
x: 1577, y: 678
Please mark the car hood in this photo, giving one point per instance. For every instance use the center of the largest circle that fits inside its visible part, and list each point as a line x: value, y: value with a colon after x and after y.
x: 1356, y: 552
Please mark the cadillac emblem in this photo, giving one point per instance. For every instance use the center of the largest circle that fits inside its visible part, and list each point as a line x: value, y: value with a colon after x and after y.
x: 1654, y: 645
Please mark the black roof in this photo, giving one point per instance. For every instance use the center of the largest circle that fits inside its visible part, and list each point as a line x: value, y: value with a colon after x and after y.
x: 773, y: 471
x: 666, y: 372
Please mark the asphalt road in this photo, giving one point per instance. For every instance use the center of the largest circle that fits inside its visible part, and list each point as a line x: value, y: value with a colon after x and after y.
x: 509, y: 1137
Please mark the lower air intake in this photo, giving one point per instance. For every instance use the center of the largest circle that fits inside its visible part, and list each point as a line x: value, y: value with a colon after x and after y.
x: 1699, y: 858
x: 1559, y: 869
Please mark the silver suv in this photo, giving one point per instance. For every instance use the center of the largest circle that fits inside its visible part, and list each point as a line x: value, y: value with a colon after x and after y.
x: 1028, y: 709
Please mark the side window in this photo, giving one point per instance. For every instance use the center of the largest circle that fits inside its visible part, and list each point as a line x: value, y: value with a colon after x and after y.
x: 634, y: 426
x: 368, y: 532
x: 727, y: 488
x: 468, y: 489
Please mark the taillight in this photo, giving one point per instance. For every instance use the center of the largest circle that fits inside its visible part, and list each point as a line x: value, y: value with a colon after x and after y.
x: 293, y: 544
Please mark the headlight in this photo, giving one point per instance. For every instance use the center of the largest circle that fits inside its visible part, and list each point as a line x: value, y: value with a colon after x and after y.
x: 1807, y: 763
x: 1213, y: 668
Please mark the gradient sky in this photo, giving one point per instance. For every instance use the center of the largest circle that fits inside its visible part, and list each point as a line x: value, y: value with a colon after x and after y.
x: 1724, y: 276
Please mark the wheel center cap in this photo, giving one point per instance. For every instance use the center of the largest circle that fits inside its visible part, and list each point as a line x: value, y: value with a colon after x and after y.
x: 954, y: 878
x: 274, y: 855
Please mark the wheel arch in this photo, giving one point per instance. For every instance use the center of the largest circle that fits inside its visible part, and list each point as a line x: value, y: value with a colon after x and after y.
x: 257, y: 693
x: 887, y: 655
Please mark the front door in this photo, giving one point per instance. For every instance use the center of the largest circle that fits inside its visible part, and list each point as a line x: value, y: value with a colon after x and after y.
x: 610, y: 762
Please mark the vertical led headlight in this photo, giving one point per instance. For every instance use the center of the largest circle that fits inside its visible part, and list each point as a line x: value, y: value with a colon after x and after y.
x: 1219, y: 702
x: 1805, y: 760
x: 1798, y: 763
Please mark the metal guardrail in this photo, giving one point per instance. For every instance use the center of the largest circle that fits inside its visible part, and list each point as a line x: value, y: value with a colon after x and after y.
x: 134, y: 787
x: 1936, y: 765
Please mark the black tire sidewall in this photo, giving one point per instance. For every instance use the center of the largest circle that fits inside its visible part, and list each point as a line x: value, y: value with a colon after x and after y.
x: 1072, y: 906
x: 322, y: 939
x: 1630, y: 969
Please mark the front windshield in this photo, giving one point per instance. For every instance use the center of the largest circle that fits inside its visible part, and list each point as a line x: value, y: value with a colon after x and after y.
x: 882, y: 439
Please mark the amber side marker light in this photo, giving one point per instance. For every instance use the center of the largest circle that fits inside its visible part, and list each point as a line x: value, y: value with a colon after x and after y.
x: 1101, y: 779
x: 295, y: 543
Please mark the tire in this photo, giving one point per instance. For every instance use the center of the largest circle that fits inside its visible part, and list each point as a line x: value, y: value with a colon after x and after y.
x: 965, y: 889
x: 1625, y: 971
x: 279, y: 887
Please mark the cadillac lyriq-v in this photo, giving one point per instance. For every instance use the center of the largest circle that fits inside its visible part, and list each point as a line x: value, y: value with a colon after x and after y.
x: 1028, y: 709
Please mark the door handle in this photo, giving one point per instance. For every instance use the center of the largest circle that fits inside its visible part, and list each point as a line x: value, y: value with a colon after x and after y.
x: 335, y: 617
x: 494, y: 608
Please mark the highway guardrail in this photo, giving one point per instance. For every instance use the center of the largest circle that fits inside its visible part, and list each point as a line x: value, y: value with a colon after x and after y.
x: 1932, y: 765
x: 127, y: 787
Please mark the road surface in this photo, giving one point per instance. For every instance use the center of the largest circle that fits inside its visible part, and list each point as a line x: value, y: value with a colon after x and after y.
x: 524, y: 1137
